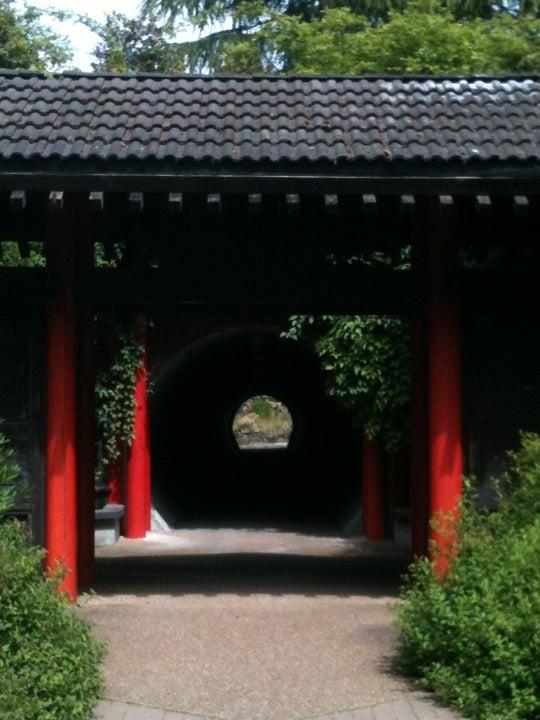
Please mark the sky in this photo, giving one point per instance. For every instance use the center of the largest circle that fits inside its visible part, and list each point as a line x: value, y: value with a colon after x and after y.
x: 82, y: 40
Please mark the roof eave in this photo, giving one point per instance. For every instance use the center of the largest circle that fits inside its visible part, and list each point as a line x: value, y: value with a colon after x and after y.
x: 347, y: 178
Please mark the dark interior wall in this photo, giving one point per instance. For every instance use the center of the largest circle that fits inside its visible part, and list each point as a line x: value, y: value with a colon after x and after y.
x: 502, y: 385
x: 200, y: 475
x: 22, y: 410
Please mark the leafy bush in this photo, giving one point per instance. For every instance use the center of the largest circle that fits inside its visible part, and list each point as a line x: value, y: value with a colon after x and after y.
x: 474, y: 638
x: 8, y: 474
x: 49, y: 659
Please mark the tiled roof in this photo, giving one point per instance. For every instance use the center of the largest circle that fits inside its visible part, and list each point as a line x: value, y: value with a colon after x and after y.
x: 268, y: 119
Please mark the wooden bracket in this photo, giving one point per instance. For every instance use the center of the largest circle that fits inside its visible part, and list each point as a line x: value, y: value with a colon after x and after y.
x: 176, y: 203
x: 213, y: 203
x: 96, y: 202
x: 520, y: 203
x: 292, y: 203
x: 483, y: 204
x: 255, y: 204
x: 56, y: 201
x: 135, y: 203
x: 407, y: 204
x: 369, y: 203
x: 331, y: 204
x: 446, y: 205
x: 17, y: 200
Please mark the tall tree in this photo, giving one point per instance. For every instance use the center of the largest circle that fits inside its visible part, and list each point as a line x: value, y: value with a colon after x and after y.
x: 225, y: 24
x: 142, y: 44
x: 27, y: 44
x: 229, y: 27
x: 424, y: 38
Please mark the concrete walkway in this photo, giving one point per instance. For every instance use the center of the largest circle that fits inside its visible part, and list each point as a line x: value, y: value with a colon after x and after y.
x: 247, y: 625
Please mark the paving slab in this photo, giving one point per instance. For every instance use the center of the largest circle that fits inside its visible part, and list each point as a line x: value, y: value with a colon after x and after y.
x: 403, y: 709
x: 115, y: 710
x: 110, y: 710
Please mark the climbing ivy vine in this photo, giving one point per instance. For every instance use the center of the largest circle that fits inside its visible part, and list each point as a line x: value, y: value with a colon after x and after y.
x: 367, y: 364
x: 115, y: 387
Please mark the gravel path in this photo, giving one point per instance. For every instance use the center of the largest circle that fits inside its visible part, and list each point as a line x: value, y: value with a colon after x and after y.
x: 251, y: 626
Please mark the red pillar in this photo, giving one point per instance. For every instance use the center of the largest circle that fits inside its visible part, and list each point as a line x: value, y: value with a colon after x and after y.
x: 137, y: 491
x: 86, y: 405
x: 148, y: 465
x: 373, y: 491
x: 61, y: 476
x: 419, y: 440
x: 444, y: 389
x: 419, y: 472
x: 86, y: 444
x: 115, y: 479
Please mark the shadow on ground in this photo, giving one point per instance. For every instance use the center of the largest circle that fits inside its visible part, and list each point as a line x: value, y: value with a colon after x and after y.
x: 248, y: 574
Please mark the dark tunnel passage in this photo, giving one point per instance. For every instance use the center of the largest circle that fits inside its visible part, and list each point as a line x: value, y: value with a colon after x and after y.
x: 202, y: 477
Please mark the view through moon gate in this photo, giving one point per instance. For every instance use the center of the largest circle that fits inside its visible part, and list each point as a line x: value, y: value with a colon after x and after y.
x: 262, y: 423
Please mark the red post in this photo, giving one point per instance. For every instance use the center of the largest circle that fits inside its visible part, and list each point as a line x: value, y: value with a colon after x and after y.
x: 115, y: 479
x: 373, y: 491
x: 419, y: 440
x: 148, y: 466
x: 86, y: 443
x: 61, y: 477
x: 86, y: 405
x: 444, y: 390
x: 137, y: 491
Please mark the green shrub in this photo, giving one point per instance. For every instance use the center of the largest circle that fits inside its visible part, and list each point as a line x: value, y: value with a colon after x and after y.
x: 261, y: 406
x: 474, y: 638
x: 49, y: 659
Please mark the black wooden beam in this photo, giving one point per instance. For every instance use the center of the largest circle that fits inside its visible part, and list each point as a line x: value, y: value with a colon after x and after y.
x: 345, y: 290
x: 482, y: 288
x: 425, y: 180
x: 25, y: 286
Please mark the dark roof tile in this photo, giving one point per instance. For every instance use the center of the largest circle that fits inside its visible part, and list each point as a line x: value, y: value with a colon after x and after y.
x: 269, y: 119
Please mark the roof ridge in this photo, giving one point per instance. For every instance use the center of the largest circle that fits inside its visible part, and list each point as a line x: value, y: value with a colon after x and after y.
x: 405, y: 77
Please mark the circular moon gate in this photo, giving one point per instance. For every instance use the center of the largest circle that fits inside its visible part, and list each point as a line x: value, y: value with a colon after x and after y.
x: 201, y: 474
